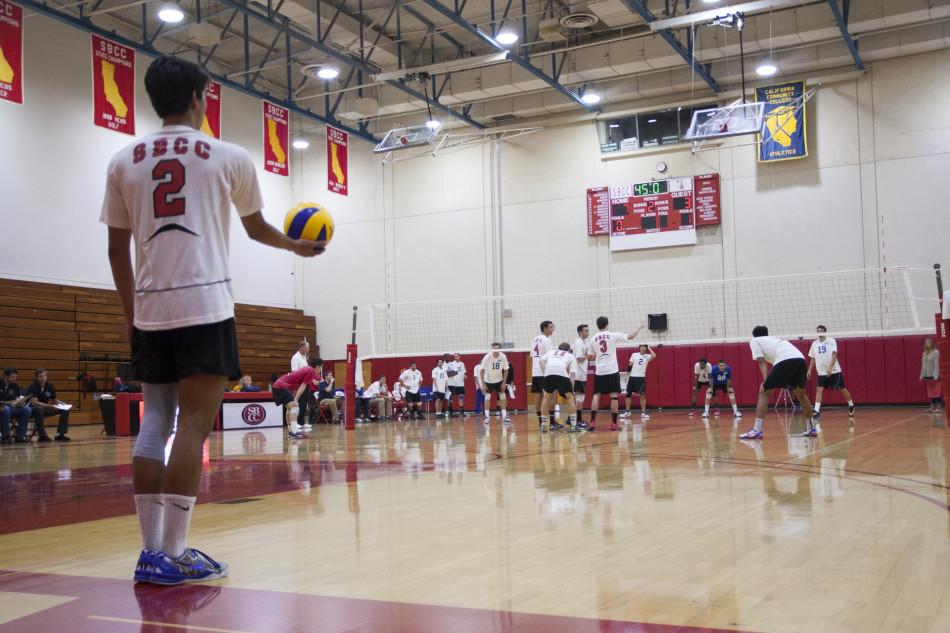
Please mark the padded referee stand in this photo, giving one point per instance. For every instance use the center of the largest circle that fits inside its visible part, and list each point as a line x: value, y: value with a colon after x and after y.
x: 943, y: 346
x: 349, y: 386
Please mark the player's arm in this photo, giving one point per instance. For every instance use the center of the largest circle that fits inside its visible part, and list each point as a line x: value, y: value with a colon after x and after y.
x: 811, y: 366
x: 834, y: 359
x: 120, y: 260
x: 763, y: 367
x: 630, y: 337
x: 300, y: 389
x: 259, y: 230
x: 652, y: 353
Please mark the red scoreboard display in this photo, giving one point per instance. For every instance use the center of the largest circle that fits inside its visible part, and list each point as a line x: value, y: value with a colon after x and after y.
x: 655, y: 213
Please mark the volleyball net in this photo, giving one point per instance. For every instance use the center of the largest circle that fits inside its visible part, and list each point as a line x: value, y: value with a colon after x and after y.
x: 867, y: 302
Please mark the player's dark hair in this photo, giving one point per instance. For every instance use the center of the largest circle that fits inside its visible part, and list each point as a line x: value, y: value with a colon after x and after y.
x: 642, y: 345
x: 721, y: 361
x: 760, y: 330
x: 39, y: 370
x: 9, y: 371
x: 545, y: 324
x: 170, y: 83
x: 581, y: 327
x: 564, y: 347
x: 702, y: 360
x: 602, y: 322
x: 822, y: 328
x: 496, y: 345
x: 316, y: 362
x: 412, y: 363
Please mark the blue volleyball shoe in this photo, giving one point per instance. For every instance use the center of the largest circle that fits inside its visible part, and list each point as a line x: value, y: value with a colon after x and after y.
x: 751, y: 435
x: 192, y: 566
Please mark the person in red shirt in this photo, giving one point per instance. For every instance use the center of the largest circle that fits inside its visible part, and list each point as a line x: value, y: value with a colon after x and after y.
x: 288, y: 389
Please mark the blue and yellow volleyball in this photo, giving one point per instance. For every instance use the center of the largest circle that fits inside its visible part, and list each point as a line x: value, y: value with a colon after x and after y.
x: 309, y: 221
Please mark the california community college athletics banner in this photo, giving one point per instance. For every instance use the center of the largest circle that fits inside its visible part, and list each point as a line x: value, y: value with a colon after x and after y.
x: 276, y: 136
x: 211, y: 125
x: 113, y: 85
x: 337, y: 141
x: 785, y: 136
x: 11, y: 52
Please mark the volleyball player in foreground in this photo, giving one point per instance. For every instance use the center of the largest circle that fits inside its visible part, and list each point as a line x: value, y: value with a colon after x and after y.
x: 170, y: 193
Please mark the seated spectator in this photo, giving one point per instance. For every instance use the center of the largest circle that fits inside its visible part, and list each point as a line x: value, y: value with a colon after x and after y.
x: 13, y: 404
x: 377, y: 395
x: 325, y: 396
x: 45, y: 404
x: 398, y: 394
x: 120, y: 386
x: 246, y: 385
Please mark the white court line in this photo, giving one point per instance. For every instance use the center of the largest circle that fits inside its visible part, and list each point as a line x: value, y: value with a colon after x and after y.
x: 190, y: 627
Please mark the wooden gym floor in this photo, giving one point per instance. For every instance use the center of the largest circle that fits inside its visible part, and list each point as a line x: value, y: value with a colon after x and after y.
x: 442, y: 526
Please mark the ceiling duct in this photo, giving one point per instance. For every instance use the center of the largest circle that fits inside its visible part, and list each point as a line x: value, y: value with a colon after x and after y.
x: 578, y: 20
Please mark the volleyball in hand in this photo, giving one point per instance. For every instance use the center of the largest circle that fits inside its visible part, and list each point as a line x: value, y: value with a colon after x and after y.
x: 309, y: 221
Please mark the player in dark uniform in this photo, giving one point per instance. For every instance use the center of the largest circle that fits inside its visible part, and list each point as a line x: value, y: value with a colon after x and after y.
x: 721, y: 378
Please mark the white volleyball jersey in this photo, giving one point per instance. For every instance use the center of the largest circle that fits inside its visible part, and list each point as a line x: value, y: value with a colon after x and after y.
x: 493, y: 368
x: 440, y: 379
x: 702, y: 372
x: 540, y: 346
x: 774, y: 350
x: 411, y: 380
x: 638, y: 364
x: 458, y: 380
x: 603, y: 346
x: 580, y: 353
x: 559, y: 363
x: 298, y: 361
x: 821, y: 351
x: 173, y: 190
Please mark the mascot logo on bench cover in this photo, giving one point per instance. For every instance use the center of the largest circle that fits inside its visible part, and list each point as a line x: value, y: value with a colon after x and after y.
x: 253, y: 414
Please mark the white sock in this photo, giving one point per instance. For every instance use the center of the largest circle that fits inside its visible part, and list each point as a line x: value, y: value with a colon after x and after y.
x: 504, y: 413
x: 758, y: 424
x: 817, y: 407
x: 150, y: 510
x: 735, y: 408
x: 850, y: 403
x: 706, y: 409
x: 178, y: 511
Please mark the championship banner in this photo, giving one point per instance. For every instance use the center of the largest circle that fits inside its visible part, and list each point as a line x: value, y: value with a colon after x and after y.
x: 211, y: 124
x: 785, y: 122
x: 276, y: 135
x: 337, y: 140
x: 11, y: 52
x: 113, y: 85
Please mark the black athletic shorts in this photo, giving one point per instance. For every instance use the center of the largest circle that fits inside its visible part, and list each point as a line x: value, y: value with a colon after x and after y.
x: 282, y: 396
x: 636, y: 384
x: 832, y: 381
x: 560, y: 384
x: 700, y: 384
x: 609, y: 383
x: 724, y: 387
x: 493, y: 387
x: 537, y: 384
x: 165, y: 356
x: 789, y: 374
x: 439, y: 395
x: 580, y: 386
x: 413, y: 398
x: 457, y: 391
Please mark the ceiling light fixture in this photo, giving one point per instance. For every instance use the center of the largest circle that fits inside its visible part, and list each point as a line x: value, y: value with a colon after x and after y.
x: 651, y: 120
x: 171, y: 13
x: 590, y: 98
x: 433, y: 124
x: 301, y: 143
x: 506, y: 37
x: 328, y: 72
x: 766, y: 68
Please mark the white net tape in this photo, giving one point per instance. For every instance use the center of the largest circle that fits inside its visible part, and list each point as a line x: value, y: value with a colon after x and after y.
x: 853, y: 302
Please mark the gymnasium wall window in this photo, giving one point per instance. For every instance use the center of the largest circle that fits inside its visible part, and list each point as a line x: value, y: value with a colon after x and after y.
x: 648, y: 129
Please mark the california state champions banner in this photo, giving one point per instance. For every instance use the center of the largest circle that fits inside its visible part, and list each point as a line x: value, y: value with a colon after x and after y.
x: 276, y: 136
x: 785, y: 135
x: 113, y: 85
x: 211, y: 125
x: 11, y: 52
x: 337, y: 140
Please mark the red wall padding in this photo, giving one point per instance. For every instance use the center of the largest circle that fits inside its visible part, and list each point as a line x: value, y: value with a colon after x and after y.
x: 876, y: 370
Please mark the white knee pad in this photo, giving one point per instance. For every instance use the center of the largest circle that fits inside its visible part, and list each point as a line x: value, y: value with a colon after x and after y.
x: 292, y: 410
x: 160, y: 406
x: 579, y: 398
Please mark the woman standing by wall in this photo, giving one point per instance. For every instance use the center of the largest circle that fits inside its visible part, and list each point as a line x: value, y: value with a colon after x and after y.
x: 930, y: 374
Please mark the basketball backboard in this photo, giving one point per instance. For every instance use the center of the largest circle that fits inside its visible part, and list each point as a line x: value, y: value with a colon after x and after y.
x: 734, y: 119
x: 406, y: 137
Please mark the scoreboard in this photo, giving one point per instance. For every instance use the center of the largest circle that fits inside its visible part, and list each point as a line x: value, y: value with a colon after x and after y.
x: 655, y: 213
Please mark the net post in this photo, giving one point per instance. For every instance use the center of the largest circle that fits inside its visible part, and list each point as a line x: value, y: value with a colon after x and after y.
x: 349, y: 383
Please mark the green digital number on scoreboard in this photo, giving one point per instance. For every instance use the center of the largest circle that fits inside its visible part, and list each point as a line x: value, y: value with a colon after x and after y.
x: 651, y: 188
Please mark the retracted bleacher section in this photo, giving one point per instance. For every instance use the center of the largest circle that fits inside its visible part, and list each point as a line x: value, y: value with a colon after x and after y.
x: 72, y: 331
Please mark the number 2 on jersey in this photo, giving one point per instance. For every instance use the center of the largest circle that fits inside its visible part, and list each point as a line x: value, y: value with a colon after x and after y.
x: 170, y: 175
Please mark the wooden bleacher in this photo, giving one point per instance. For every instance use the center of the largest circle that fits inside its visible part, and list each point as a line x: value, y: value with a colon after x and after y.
x: 70, y: 330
